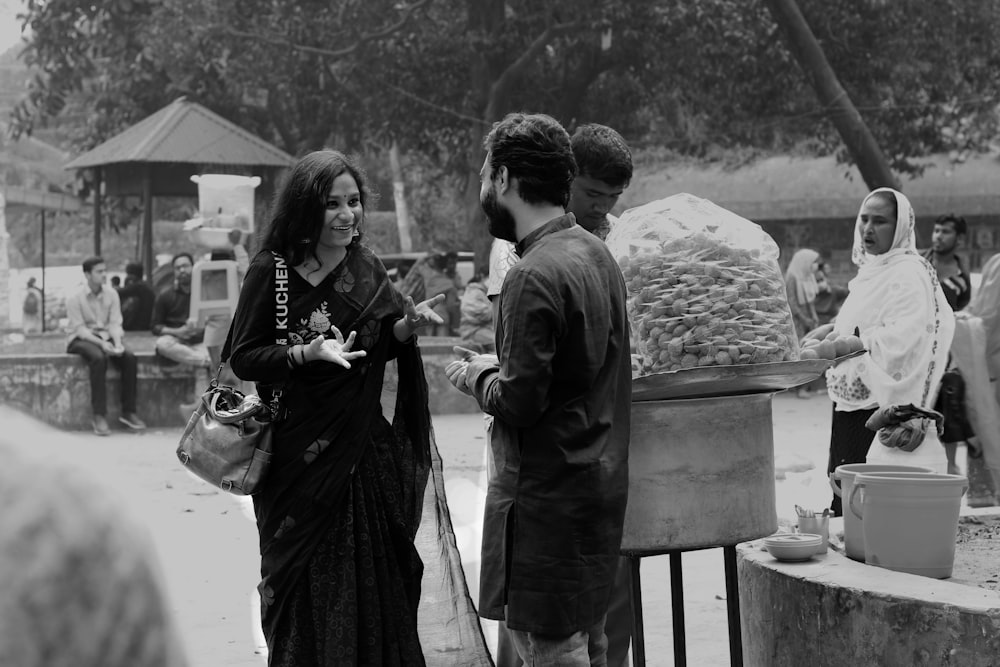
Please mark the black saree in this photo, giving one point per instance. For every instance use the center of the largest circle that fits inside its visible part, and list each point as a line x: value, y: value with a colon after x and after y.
x: 341, y: 577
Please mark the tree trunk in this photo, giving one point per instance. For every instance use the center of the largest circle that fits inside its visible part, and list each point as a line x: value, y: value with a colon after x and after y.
x: 845, y: 117
x: 399, y: 197
x: 493, y: 82
x: 485, y: 19
x: 5, y: 290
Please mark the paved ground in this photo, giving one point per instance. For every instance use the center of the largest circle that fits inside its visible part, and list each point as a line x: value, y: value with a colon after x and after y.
x: 206, y: 540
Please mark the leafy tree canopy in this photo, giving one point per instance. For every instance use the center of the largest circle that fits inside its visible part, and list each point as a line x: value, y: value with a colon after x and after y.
x: 711, y: 78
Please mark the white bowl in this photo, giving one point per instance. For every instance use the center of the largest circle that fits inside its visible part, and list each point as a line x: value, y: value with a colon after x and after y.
x: 793, y: 546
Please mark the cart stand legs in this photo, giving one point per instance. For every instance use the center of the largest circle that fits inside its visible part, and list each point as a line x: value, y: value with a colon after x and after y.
x: 733, y: 606
x: 638, y: 639
x: 677, y: 609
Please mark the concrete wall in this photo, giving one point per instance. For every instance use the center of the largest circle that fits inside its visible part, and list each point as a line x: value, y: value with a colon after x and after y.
x: 832, y: 611
x: 55, y: 387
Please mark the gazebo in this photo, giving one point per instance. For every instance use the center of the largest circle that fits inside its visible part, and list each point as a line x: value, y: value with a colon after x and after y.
x: 157, y: 156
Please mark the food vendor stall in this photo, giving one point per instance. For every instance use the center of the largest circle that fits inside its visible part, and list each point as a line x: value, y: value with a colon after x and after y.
x: 713, y: 341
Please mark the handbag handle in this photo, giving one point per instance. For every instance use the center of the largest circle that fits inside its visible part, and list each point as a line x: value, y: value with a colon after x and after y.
x: 250, y: 406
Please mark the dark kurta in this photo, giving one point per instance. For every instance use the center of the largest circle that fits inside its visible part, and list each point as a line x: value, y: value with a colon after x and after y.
x: 561, y: 402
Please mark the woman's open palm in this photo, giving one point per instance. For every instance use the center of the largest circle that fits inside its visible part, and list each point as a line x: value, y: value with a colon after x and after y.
x: 336, y: 350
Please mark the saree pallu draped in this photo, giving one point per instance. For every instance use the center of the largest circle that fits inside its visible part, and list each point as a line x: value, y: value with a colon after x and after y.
x: 340, y: 575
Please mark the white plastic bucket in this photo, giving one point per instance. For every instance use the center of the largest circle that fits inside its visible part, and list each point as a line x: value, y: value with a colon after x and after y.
x: 227, y: 198
x: 910, y: 520
x: 854, y: 538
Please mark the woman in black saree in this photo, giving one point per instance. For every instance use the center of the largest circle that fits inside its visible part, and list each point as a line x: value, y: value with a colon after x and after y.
x: 337, y: 517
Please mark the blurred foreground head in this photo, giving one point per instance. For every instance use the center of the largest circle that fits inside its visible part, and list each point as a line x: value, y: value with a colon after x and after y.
x: 79, y: 585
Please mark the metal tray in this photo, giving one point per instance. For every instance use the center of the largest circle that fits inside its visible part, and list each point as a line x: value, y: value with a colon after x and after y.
x: 712, y: 381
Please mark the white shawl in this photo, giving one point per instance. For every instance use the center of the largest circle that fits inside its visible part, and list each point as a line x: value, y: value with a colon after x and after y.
x: 904, y: 320
x: 906, y: 324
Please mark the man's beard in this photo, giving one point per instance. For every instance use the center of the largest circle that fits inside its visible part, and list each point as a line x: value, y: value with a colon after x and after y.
x: 501, y: 222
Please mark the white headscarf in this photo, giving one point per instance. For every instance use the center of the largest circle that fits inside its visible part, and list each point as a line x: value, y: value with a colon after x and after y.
x: 801, y: 269
x: 905, y: 323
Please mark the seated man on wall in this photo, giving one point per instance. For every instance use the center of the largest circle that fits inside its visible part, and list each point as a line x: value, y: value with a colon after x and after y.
x: 178, y: 339
x: 95, y: 333
x: 137, y: 297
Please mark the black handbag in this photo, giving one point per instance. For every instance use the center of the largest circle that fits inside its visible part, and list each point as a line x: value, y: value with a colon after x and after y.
x: 951, y: 403
x: 227, y: 440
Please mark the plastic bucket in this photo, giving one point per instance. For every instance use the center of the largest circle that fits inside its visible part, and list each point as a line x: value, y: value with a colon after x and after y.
x: 854, y: 538
x: 228, y: 199
x: 910, y: 520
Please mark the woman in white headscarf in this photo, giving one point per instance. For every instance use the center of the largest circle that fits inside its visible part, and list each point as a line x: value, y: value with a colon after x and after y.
x: 905, y: 323
x: 976, y: 353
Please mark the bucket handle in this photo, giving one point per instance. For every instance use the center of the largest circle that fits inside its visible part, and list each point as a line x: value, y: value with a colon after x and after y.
x: 854, y: 493
x: 833, y: 484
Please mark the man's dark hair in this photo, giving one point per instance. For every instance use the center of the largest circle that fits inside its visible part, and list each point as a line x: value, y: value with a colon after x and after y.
x: 957, y: 221
x: 91, y: 262
x: 536, y: 150
x: 133, y: 269
x: 176, y: 257
x: 602, y: 153
x: 300, y: 204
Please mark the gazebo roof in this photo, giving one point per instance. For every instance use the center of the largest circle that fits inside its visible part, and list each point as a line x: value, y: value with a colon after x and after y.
x: 184, y: 132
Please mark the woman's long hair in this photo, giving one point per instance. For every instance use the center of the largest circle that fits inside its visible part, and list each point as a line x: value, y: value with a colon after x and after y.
x: 300, y: 205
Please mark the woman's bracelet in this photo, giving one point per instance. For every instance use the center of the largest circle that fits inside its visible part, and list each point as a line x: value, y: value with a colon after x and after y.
x: 295, y: 360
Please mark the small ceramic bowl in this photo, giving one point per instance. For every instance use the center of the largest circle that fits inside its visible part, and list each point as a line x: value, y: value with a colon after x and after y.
x: 793, y: 546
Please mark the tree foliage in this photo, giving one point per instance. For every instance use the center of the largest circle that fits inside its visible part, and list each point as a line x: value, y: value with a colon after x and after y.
x: 711, y: 78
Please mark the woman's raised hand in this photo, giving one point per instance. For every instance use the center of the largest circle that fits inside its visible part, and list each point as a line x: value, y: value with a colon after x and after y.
x: 422, y: 314
x: 335, y: 350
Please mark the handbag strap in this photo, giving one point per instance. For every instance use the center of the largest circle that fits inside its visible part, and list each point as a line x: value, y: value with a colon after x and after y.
x: 280, y: 323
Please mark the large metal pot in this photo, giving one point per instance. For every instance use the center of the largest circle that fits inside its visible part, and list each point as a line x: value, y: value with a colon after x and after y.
x: 701, y: 473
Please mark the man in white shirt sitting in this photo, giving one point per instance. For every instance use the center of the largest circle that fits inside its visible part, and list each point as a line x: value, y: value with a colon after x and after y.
x: 95, y: 333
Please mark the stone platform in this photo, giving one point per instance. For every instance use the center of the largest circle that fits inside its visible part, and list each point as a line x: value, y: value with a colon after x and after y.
x: 55, y: 388
x: 39, y: 378
x: 832, y: 611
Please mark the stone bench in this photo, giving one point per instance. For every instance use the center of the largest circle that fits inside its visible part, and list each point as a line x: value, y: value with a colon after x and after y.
x: 55, y: 386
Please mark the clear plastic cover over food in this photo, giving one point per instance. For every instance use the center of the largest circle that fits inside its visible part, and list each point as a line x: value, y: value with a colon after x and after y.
x: 704, y: 285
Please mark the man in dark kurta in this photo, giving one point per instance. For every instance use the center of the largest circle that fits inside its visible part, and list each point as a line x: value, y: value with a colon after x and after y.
x: 560, y: 397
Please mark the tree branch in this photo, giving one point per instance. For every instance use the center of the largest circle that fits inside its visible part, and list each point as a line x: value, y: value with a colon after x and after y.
x: 509, y: 76
x: 406, y: 14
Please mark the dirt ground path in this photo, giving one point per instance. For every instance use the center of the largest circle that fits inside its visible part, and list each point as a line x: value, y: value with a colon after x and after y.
x: 207, y: 544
